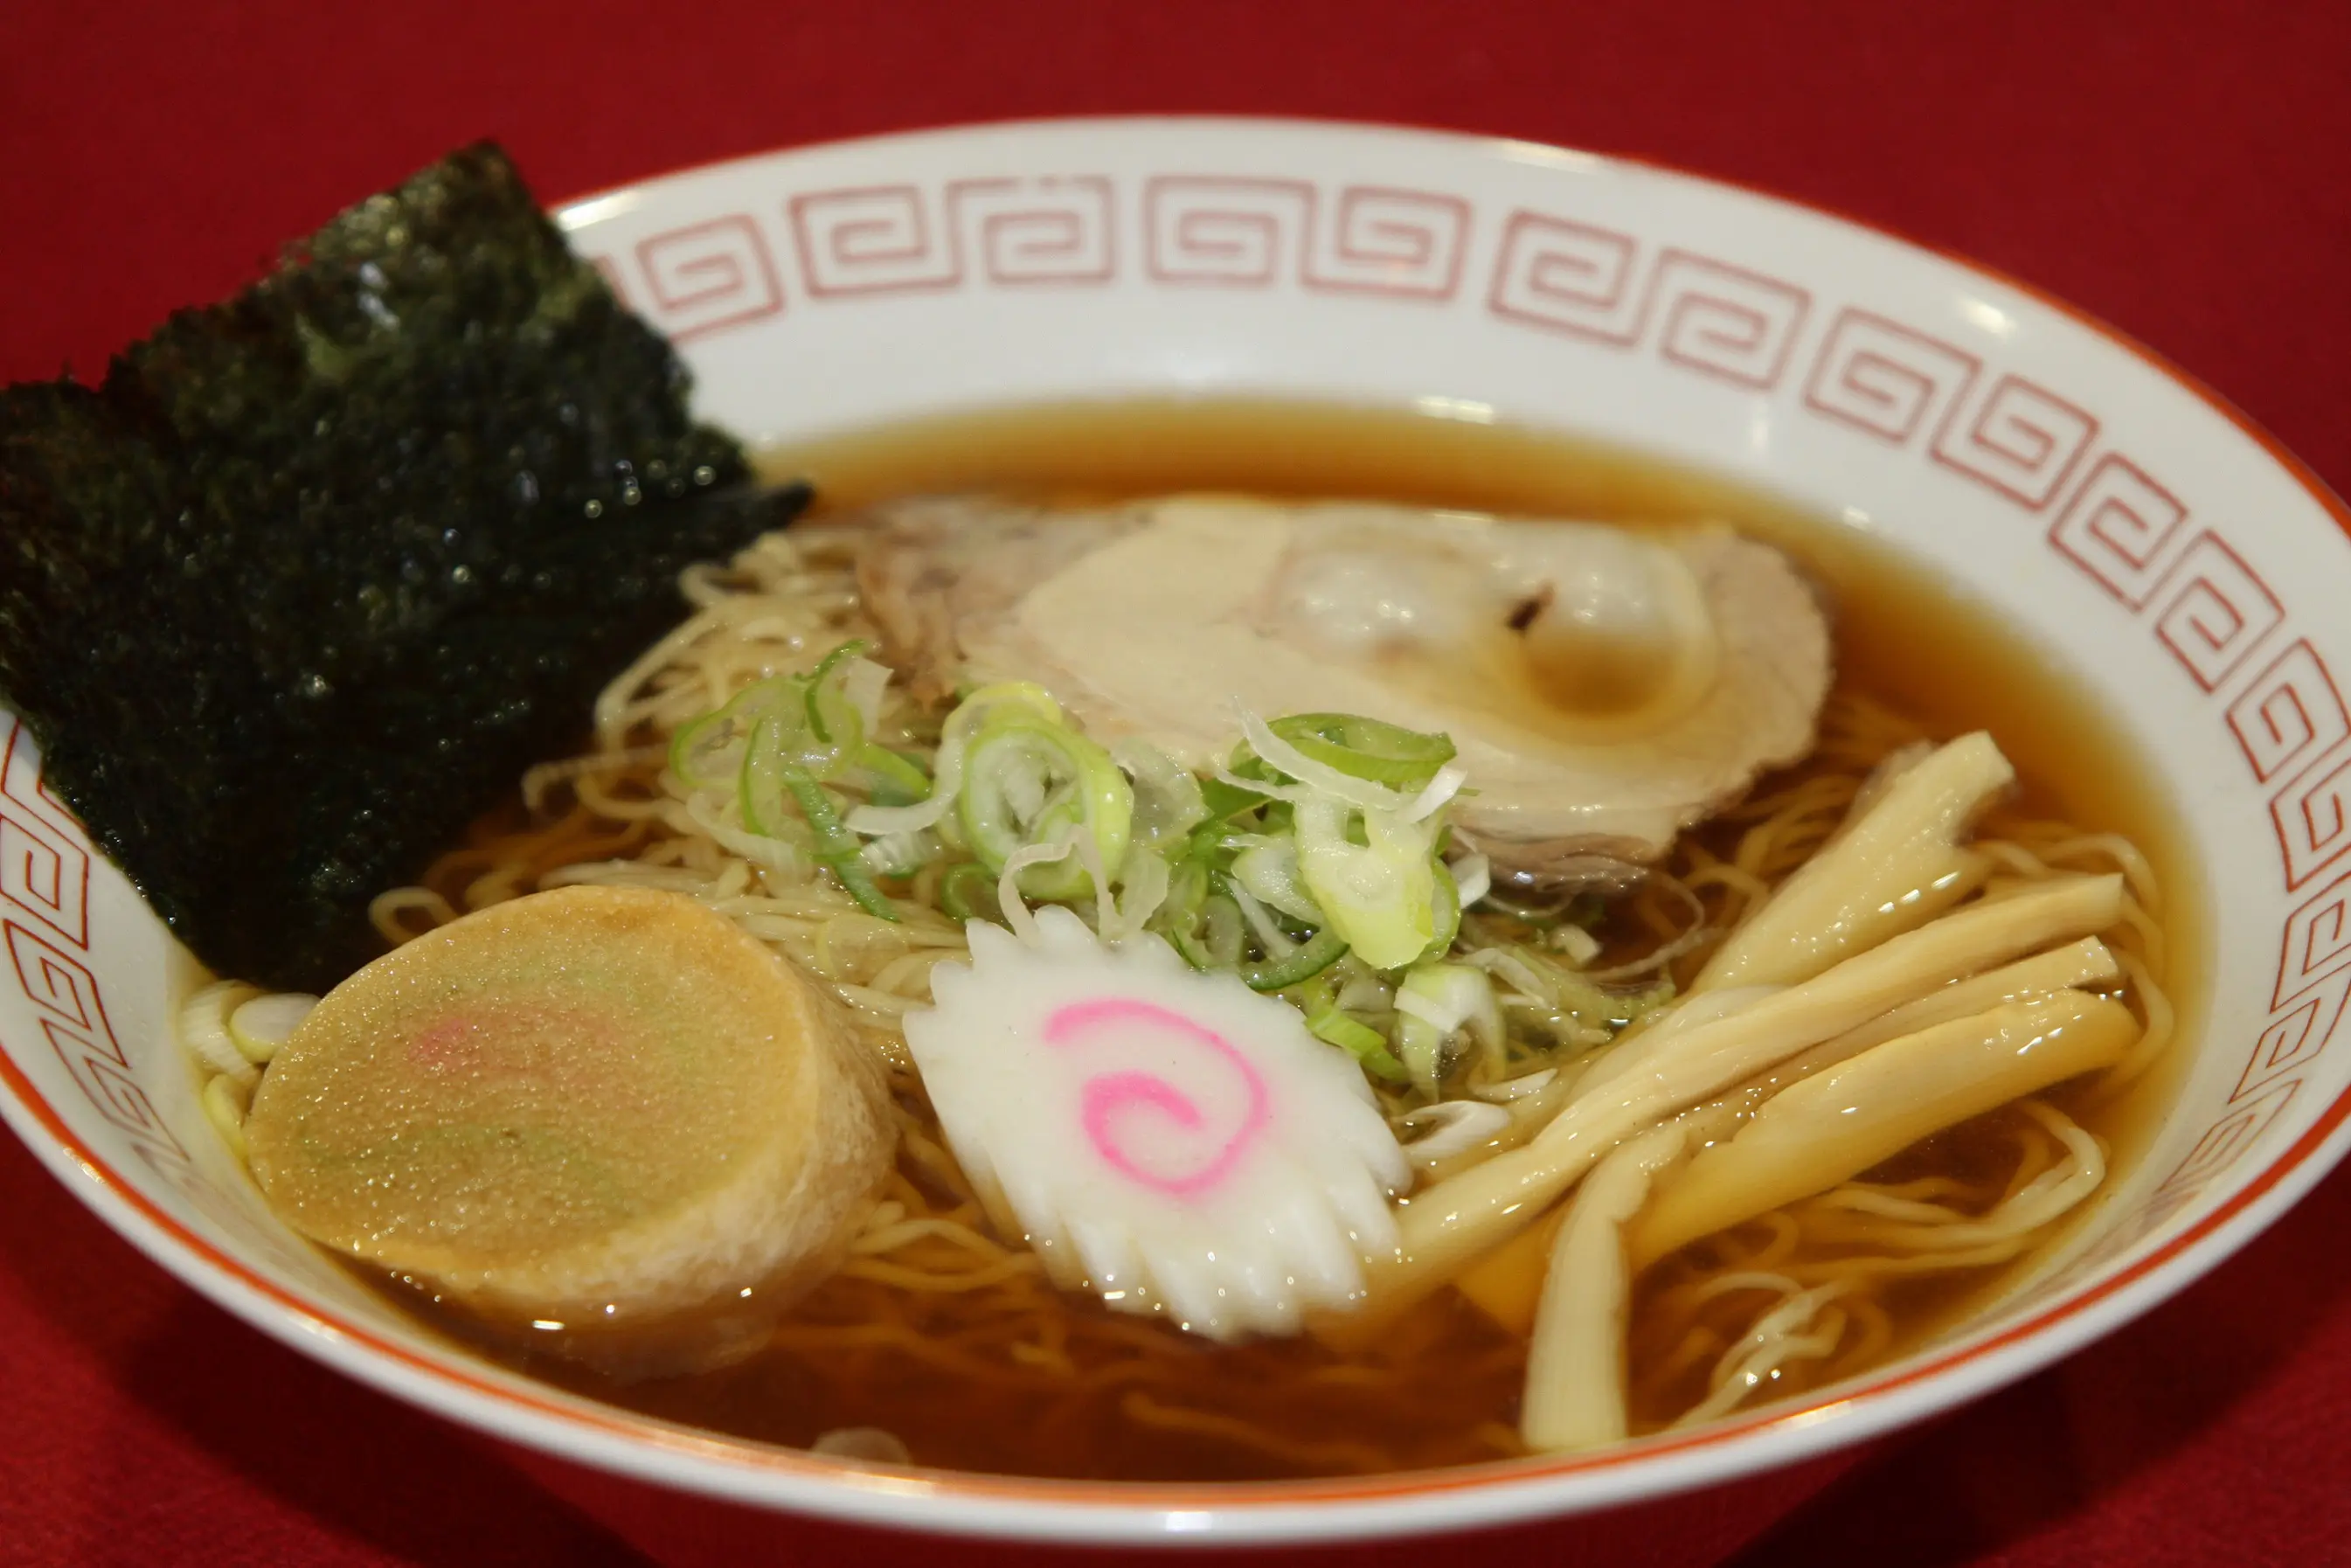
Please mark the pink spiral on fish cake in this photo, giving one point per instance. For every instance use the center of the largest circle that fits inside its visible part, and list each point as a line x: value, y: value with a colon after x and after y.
x: 1105, y: 1095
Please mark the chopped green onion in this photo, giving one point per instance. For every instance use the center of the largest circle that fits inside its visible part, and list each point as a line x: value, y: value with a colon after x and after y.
x: 1226, y: 929
x: 1168, y: 802
x: 1358, y: 1039
x: 1435, y: 1002
x: 900, y: 854
x: 968, y: 893
x: 1313, y: 777
x: 702, y: 751
x: 1229, y: 796
x: 985, y: 704
x: 1187, y: 888
x: 827, y: 725
x: 1142, y: 882
x: 864, y: 684
x: 817, y: 727
x: 1276, y: 942
x: 1325, y: 949
x: 1360, y: 989
x: 770, y: 777
x: 1368, y: 748
x: 1472, y: 874
x: 897, y: 778
x: 1268, y: 869
x: 1212, y: 938
x: 837, y: 849
x: 1028, y: 782
x: 1445, y: 911
x: 825, y: 734
x: 975, y: 711
x: 1379, y: 895
x: 832, y: 720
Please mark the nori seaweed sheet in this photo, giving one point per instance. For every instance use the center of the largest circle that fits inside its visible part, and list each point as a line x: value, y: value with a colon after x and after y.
x: 302, y: 587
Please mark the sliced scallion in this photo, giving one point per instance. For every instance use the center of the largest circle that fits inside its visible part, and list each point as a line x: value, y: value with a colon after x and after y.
x: 897, y: 779
x: 1268, y: 869
x: 1169, y: 803
x: 987, y: 703
x: 835, y: 730
x: 1325, y: 949
x: 1027, y: 781
x: 1360, y: 1040
x: 1368, y: 748
x: 1381, y: 895
x: 703, y: 751
x: 968, y: 893
x: 770, y: 777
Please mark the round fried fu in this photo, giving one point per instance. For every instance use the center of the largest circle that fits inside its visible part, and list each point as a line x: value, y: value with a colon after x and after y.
x: 602, y: 1119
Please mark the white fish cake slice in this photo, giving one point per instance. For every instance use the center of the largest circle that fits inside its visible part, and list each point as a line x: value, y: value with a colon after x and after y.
x: 1171, y: 1139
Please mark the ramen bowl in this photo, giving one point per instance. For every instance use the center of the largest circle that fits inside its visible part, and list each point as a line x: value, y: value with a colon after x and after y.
x: 2139, y: 533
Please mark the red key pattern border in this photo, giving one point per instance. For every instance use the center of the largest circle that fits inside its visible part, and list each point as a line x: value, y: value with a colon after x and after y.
x: 2118, y: 525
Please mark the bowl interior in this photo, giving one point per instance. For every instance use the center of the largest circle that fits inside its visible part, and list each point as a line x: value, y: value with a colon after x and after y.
x: 2147, y: 540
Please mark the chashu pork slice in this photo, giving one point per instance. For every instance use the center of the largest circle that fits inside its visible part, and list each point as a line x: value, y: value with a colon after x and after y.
x: 602, y: 1122
x: 1605, y: 686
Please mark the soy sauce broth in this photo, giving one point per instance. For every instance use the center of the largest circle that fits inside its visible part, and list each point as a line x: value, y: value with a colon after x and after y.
x: 1445, y: 1389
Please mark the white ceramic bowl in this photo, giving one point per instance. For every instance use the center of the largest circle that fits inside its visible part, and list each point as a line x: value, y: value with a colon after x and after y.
x: 2185, y: 567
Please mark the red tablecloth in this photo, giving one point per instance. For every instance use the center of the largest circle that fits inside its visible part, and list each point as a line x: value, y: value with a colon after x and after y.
x: 2183, y: 170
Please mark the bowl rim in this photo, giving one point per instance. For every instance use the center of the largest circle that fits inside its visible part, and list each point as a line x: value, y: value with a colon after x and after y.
x: 984, y: 1503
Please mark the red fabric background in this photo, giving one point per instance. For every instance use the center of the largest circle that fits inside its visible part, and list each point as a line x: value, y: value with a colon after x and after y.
x: 2183, y: 170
